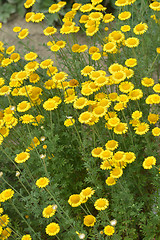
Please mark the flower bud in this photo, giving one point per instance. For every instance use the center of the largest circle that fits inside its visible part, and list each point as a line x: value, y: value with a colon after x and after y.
x: 17, y: 173
x: 113, y: 222
x: 81, y: 236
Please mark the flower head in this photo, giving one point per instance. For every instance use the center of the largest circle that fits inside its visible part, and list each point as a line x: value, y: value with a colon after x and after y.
x: 42, y: 182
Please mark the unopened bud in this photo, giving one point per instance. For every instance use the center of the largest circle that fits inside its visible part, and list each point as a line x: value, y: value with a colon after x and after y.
x: 113, y: 222
x: 42, y: 138
x: 42, y: 156
x: 1, y: 174
x: 81, y: 236
x: 17, y: 173
x: 13, y: 108
x: 54, y: 207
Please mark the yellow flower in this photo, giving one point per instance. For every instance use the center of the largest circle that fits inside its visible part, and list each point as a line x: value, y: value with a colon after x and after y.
x: 69, y: 122
x: 125, y: 28
x: 96, y: 56
x: 101, y: 204
x: 129, y: 157
x: 22, y: 157
x: 110, y: 181
x: 141, y: 128
x: 52, y: 229
x: 147, y: 82
x: 132, y: 42
x: 131, y: 62
x: 96, y: 16
x: 85, y: 117
x: 126, y: 86
x: 26, y: 237
x: 136, y: 114
x: 116, y: 172
x: 48, y: 211
x: 158, y: 50
x: 27, y: 118
x: 155, y: 6
x: 109, y: 230
x: 31, y: 66
x: 121, y: 128
x: 136, y: 94
x: 120, y: 3
x: 15, y: 57
x: 49, y: 31
x: 75, y: 200
x: 87, y: 193
x: 50, y: 105
x: 156, y: 131
x: 106, y: 154
x: 89, y: 220
x: 86, y: 7
x: 54, y: 8
x: 153, y: 118
x: 42, y: 182
x: 4, y: 220
x: 23, y: 106
x: 80, y: 103
x: 108, y: 17
x: 37, y: 17
x: 140, y: 28
x: 124, y: 15
x: 30, y: 56
x: 6, y: 233
x: 111, y: 145
x: 96, y: 151
x: 24, y: 33
x: 29, y: 3
x: 110, y: 47
x: 6, y: 194
x: 153, y: 99
x: 149, y: 162
x: 107, y: 164
x: 156, y: 88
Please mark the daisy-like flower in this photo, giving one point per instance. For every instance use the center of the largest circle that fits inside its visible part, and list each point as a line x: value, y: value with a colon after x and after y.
x: 75, y: 200
x: 142, y: 128
x: 89, y: 220
x: 121, y: 128
x: 42, y: 182
x: 49, y: 31
x: 27, y: 118
x: 52, y: 229
x: 22, y: 157
x: 129, y: 157
x: 132, y: 42
x: 124, y: 15
x: 37, y: 17
x: 111, y: 145
x: 86, y: 7
x: 29, y: 3
x: 136, y: 114
x: 95, y: 16
x: 125, y: 28
x: 50, y: 104
x: 23, y: 106
x: 6, y: 194
x: 101, y: 204
x: 85, y: 117
x: 149, y: 162
x: 96, y: 151
x: 87, y: 192
x: 69, y: 122
x: 26, y: 237
x: 131, y: 62
x: 147, y: 82
x: 109, y: 230
x: 140, y: 28
x: 110, y: 47
x: 121, y: 3
x: 110, y: 181
x: 126, y: 87
x: 155, y: 6
x: 153, y: 118
x: 106, y: 154
x: 48, y: 211
x: 15, y: 57
x: 108, y: 17
x: 30, y: 56
x: 54, y: 8
x: 23, y: 33
x: 156, y: 88
x: 156, y: 131
x: 136, y: 94
x: 116, y: 172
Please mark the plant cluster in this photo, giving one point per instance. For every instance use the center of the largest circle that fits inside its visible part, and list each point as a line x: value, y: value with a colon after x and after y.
x: 79, y: 131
